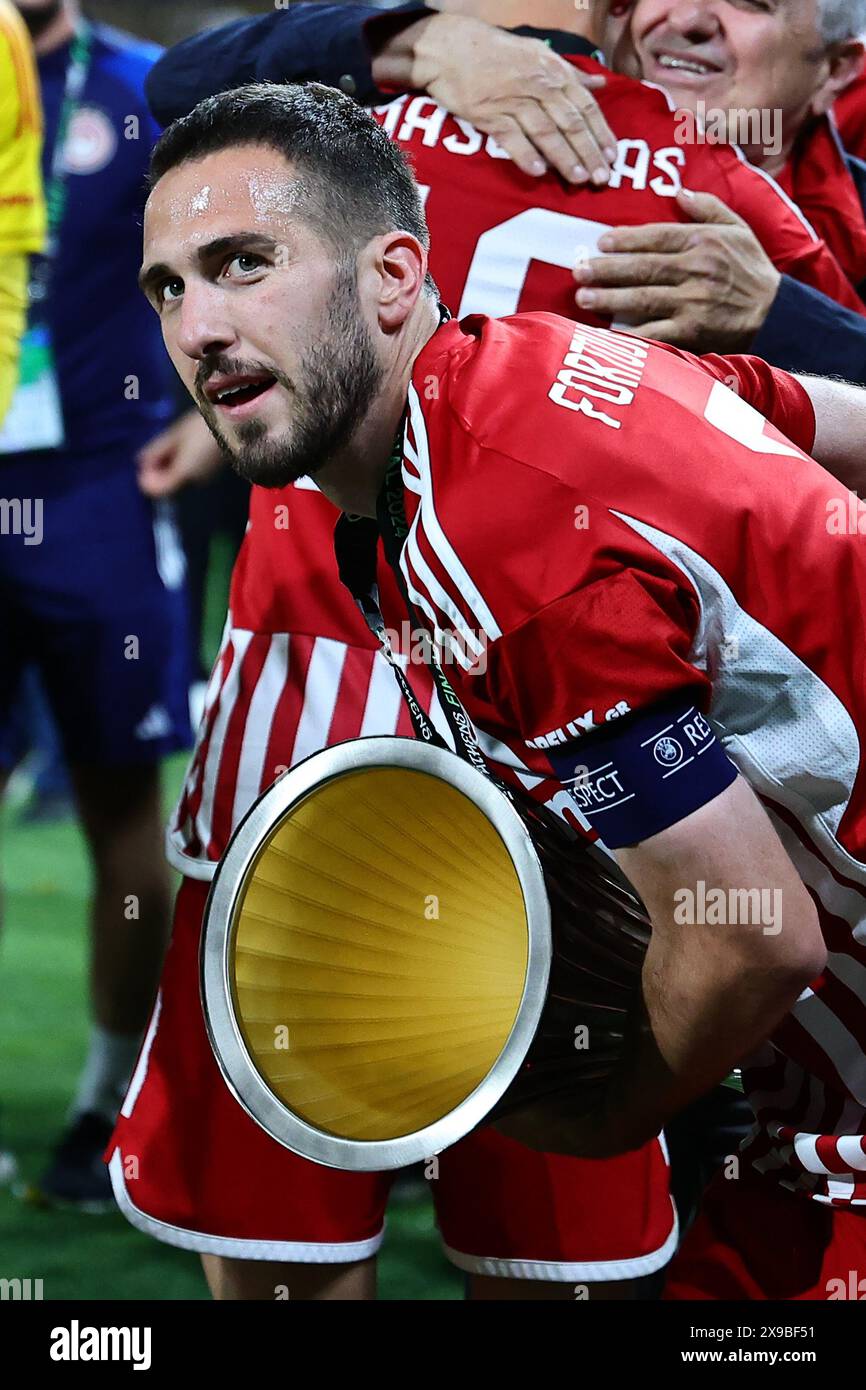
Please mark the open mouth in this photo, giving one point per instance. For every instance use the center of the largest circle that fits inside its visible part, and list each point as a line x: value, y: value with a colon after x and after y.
x: 232, y: 393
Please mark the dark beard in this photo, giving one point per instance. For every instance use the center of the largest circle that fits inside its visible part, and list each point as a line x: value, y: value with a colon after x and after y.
x: 37, y: 21
x: 341, y: 378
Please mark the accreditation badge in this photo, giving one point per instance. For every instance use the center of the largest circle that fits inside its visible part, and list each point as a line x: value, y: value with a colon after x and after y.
x: 35, y: 417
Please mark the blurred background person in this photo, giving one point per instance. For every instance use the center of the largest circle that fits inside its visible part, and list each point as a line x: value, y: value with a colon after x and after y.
x: 22, y: 220
x: 766, y: 76
x: 22, y: 207
x: 98, y: 604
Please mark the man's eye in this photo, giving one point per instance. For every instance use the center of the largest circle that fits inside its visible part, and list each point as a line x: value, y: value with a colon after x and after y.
x: 244, y: 263
x: 170, y: 290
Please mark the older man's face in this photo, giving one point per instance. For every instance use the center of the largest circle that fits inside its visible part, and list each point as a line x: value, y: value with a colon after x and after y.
x: 731, y: 54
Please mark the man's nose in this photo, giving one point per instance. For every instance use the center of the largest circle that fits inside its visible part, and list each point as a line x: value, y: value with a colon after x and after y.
x: 204, y: 325
x: 696, y: 20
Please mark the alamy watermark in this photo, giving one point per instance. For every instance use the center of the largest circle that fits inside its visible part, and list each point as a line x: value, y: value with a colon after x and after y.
x: 466, y: 648
x: 22, y: 516
x: 723, y: 907
x: 21, y: 1290
x: 757, y: 127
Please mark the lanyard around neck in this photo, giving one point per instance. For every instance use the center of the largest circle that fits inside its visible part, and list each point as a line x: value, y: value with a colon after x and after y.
x: 356, y: 545
x: 57, y: 188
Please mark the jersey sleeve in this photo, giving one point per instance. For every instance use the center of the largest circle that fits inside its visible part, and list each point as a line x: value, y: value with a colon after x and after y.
x: 602, y: 685
x: 785, y: 234
x: 774, y: 393
x: 616, y: 646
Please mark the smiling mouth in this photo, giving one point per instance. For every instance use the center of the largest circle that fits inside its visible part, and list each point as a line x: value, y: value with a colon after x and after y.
x: 694, y: 66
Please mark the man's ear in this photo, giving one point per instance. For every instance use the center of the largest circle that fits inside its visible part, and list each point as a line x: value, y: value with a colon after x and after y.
x: 846, y: 63
x: 400, y: 262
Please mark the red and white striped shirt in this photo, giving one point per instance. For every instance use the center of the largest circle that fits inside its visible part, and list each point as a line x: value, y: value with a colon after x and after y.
x: 297, y: 670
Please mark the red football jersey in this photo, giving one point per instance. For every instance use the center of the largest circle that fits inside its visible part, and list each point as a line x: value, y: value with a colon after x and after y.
x: 499, y: 241
x: 583, y: 508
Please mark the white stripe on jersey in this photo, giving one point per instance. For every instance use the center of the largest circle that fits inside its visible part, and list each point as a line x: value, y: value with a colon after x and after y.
x: 216, y: 675
x: 850, y: 1151
x: 211, y: 785
x: 203, y: 821
x: 257, y: 726
x: 384, y: 700
x: 440, y: 598
x: 420, y: 601
x: 410, y: 456
x: 436, y: 537
x: 806, y: 1150
x: 841, y: 1188
x: 321, y: 690
x: 840, y: 899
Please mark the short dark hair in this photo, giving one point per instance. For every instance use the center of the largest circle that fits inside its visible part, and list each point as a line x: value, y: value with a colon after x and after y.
x: 359, y: 184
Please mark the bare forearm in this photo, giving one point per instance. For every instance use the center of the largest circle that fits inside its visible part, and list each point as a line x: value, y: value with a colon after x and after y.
x: 735, y: 941
x: 697, y: 1026
x: 840, y: 429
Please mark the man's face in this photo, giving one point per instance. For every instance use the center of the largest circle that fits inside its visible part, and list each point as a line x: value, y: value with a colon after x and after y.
x: 259, y: 314
x: 729, y: 54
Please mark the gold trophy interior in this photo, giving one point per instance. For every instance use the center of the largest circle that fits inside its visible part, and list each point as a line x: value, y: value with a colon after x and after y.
x: 380, y: 948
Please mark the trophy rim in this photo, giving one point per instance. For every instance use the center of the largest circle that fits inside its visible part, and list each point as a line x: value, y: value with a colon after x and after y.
x: 238, y: 1068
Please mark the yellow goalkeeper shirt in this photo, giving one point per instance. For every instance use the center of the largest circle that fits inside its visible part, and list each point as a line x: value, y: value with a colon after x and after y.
x: 22, y: 207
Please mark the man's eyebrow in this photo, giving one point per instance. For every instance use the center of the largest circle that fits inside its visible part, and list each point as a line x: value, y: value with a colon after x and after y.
x: 238, y: 241
x: 151, y: 275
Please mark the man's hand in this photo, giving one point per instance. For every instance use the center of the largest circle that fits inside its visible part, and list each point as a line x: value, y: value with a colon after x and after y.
x: 534, y: 104
x: 707, y: 286
x: 184, y: 453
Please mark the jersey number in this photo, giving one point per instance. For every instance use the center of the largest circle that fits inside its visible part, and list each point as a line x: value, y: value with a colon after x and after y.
x: 504, y: 254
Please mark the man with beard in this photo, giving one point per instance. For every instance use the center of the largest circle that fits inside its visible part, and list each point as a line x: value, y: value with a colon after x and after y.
x: 296, y: 671
x: 249, y: 243
x: 98, y: 605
